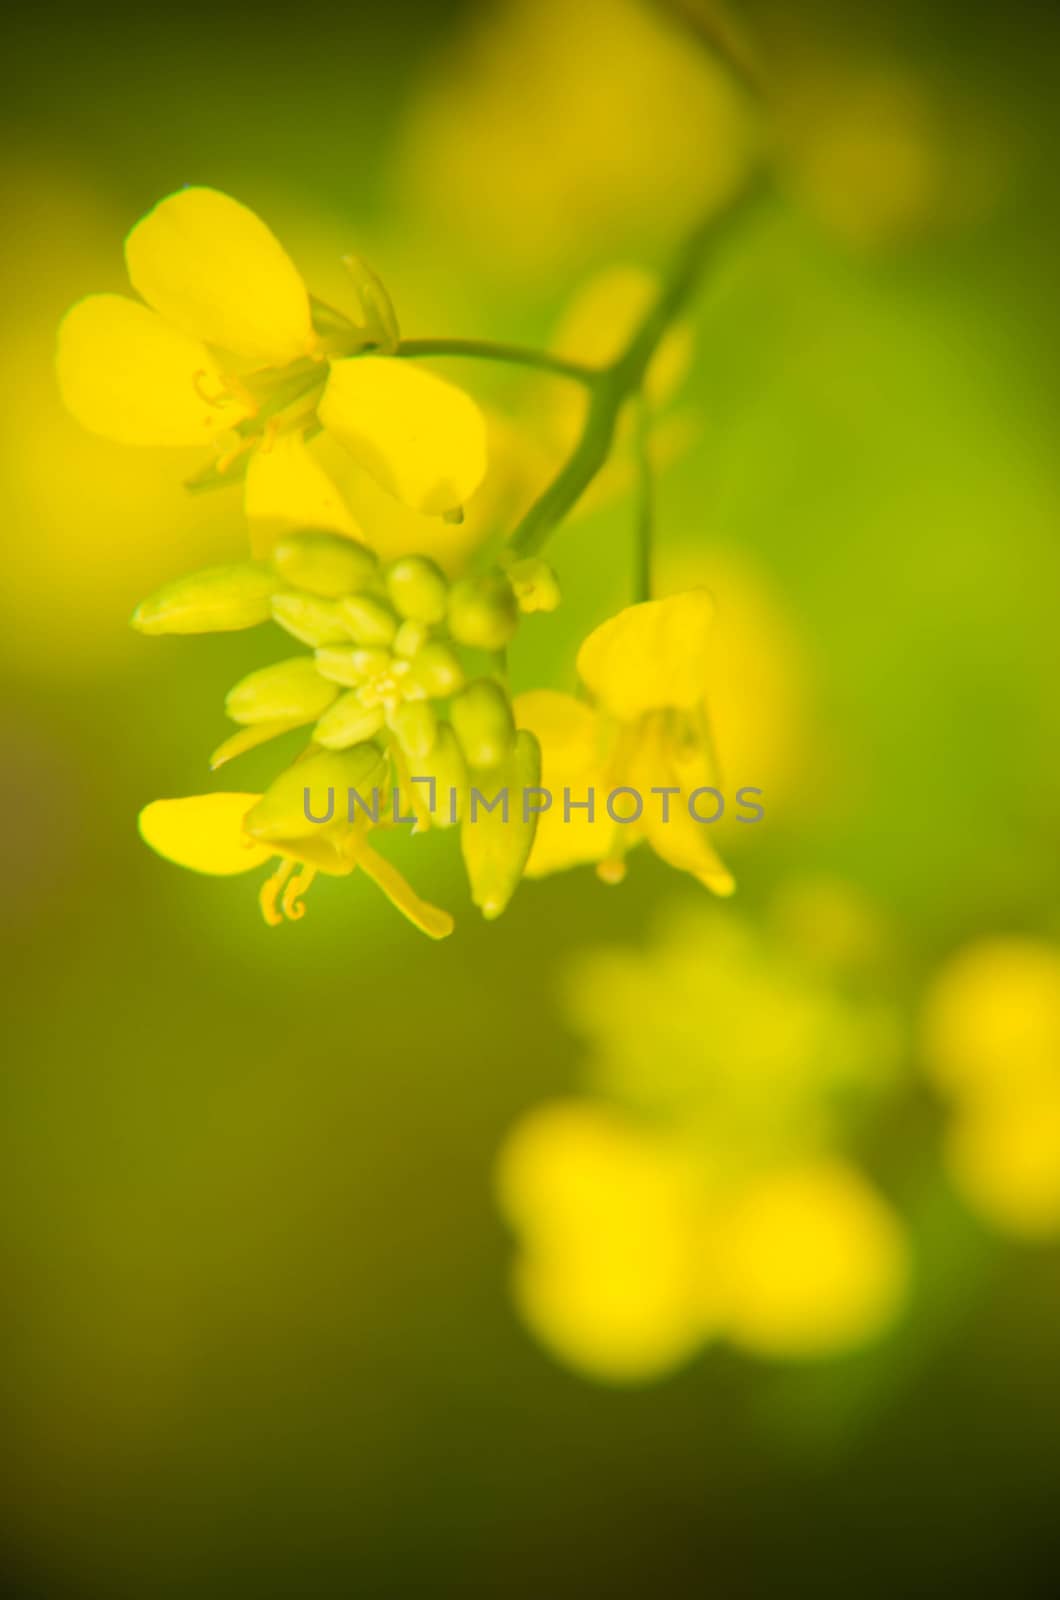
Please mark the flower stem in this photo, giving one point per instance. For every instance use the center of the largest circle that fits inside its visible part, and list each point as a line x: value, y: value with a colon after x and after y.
x: 616, y: 384
x: 515, y: 354
x: 644, y: 511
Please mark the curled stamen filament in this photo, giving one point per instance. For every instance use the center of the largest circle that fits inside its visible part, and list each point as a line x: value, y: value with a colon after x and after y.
x: 270, y: 892
x: 293, y: 908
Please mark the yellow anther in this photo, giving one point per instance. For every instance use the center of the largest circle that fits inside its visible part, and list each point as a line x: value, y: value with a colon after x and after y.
x: 293, y: 909
x: 220, y: 397
x: 270, y: 892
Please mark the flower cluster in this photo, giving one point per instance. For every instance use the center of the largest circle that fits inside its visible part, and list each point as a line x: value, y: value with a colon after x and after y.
x: 392, y: 702
x: 706, y: 1188
x: 402, y: 684
x: 991, y: 1039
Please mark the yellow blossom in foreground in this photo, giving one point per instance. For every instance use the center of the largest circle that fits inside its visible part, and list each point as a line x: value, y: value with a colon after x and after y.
x: 647, y: 730
x: 991, y: 1039
x: 631, y: 1258
x: 227, y: 347
x: 216, y: 834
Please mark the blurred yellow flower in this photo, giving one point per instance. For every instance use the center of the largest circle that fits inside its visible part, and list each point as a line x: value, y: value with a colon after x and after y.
x: 991, y: 1039
x: 228, y: 347
x: 707, y: 1193
x: 607, y: 1275
x: 541, y: 137
x: 738, y: 1032
x: 648, y: 735
x: 631, y: 1258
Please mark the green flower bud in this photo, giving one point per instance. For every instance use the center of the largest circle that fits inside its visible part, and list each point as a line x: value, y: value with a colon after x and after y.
x: 496, y: 842
x: 219, y: 600
x: 347, y: 722
x: 483, y: 722
x: 418, y: 589
x: 377, y: 315
x: 287, y: 689
x: 415, y: 727
x: 369, y: 621
x: 351, y: 666
x: 482, y: 612
x: 410, y: 638
x: 280, y: 814
x: 445, y: 764
x: 308, y: 618
x: 323, y: 563
x: 437, y: 671
x: 535, y: 584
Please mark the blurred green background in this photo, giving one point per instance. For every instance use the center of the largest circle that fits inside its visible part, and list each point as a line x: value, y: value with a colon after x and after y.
x: 258, y: 1338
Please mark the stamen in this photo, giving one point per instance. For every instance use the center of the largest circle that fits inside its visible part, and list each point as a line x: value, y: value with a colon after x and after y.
x: 270, y: 892
x: 611, y: 871
x: 436, y: 924
x: 218, y: 400
x: 293, y: 909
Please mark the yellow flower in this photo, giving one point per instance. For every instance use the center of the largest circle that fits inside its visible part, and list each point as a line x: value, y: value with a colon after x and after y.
x: 217, y: 834
x: 607, y: 1275
x: 991, y: 1039
x: 737, y: 1032
x: 633, y: 1256
x: 227, y: 347
x: 647, y: 733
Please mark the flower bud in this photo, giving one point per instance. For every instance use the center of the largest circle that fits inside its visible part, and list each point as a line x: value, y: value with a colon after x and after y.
x: 482, y: 612
x: 415, y: 726
x: 312, y: 620
x: 291, y: 689
x: 535, y: 584
x: 483, y: 722
x: 323, y: 563
x: 496, y: 843
x: 369, y: 621
x: 446, y: 765
x: 351, y: 666
x: 377, y: 316
x: 410, y: 638
x: 418, y: 589
x: 437, y: 671
x: 281, y: 813
x: 219, y: 600
x: 348, y: 722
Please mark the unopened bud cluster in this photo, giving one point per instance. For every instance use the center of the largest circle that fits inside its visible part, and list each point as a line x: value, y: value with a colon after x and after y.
x: 403, y: 661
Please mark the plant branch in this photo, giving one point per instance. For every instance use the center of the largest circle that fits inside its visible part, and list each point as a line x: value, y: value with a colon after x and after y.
x: 614, y: 385
x: 487, y: 350
x: 644, y: 509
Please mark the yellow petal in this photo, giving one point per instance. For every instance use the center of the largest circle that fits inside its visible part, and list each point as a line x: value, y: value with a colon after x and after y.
x: 125, y: 373
x: 992, y: 1019
x: 286, y: 490
x: 213, y: 268
x: 815, y: 1263
x: 204, y: 832
x: 608, y: 1217
x: 1004, y: 1157
x: 650, y: 656
x: 420, y: 438
x: 670, y: 828
x: 566, y: 730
